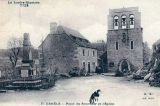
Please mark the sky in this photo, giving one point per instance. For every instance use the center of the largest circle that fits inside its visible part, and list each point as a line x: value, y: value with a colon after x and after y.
x: 89, y: 17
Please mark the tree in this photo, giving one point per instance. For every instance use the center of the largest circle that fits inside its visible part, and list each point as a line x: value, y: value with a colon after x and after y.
x: 14, y: 50
x: 100, y: 45
x: 154, y: 65
x: 146, y: 53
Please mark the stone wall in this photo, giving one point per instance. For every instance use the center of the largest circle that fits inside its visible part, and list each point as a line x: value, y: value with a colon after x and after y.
x: 61, y: 51
x: 87, y: 58
x: 127, y: 12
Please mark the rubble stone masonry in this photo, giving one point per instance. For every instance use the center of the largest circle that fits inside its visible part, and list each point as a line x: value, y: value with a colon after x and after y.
x: 124, y: 44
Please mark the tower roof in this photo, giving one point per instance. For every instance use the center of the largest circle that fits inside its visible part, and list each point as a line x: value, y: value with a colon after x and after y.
x: 123, y: 9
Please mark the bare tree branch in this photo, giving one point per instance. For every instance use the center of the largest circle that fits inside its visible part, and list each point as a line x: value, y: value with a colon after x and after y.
x: 15, y: 48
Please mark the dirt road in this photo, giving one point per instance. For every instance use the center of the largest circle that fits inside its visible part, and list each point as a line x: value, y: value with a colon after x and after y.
x: 115, y: 92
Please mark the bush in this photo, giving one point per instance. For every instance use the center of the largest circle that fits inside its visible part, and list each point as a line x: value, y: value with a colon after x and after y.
x: 65, y: 75
x: 83, y: 72
x: 118, y: 73
x: 78, y: 72
x: 98, y: 70
x: 74, y: 72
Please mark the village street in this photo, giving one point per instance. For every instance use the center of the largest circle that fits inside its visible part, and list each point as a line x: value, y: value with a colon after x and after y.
x: 115, y: 91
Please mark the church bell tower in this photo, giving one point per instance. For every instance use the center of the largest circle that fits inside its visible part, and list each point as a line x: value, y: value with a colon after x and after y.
x: 124, y: 40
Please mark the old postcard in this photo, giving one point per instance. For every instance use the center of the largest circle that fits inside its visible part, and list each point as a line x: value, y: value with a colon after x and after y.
x: 79, y: 53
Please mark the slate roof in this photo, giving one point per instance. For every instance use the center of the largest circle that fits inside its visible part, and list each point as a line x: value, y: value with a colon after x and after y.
x: 75, y: 36
x: 70, y: 31
x: 81, y: 42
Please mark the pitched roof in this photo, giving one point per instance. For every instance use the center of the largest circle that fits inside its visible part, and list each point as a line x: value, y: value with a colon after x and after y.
x: 70, y: 31
x: 75, y: 36
x: 81, y: 42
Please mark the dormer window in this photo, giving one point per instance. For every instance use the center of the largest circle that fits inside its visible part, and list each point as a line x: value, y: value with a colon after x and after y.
x: 80, y: 39
x: 74, y: 37
x: 116, y: 24
x: 131, y: 21
x: 124, y: 22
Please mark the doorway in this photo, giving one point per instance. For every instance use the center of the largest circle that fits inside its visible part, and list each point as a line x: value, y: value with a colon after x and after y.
x: 89, y: 67
x: 124, y: 65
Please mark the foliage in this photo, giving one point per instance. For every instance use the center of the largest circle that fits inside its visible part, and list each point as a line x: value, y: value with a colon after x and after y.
x: 100, y: 45
x: 78, y: 72
x: 14, y: 50
x: 156, y: 80
x: 154, y: 65
x: 146, y: 53
x: 118, y: 73
x: 98, y: 70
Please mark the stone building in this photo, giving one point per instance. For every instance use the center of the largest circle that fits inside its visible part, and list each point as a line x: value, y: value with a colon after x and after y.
x: 124, y: 39
x: 66, y: 48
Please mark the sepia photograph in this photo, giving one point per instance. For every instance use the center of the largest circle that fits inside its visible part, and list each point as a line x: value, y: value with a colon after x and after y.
x: 79, y: 53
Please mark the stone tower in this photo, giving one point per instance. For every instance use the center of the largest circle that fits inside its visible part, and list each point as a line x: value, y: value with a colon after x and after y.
x: 124, y: 40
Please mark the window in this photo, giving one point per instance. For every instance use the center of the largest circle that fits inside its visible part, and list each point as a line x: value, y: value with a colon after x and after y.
x: 93, y: 54
x: 131, y: 21
x: 83, y: 52
x: 116, y: 24
x: 132, y: 44
x: 84, y: 65
x: 73, y: 37
x: 111, y: 64
x: 124, y: 22
x: 117, y: 46
x: 88, y: 52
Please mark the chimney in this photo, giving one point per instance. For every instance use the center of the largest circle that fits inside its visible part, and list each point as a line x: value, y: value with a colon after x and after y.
x: 53, y: 28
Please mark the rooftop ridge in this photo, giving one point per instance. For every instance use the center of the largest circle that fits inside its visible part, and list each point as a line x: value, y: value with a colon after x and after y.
x: 72, y: 32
